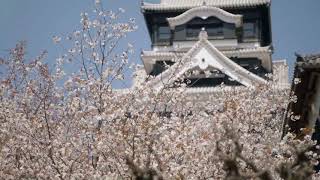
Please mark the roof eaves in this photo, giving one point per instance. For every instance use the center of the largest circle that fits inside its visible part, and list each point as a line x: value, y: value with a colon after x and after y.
x: 308, y: 61
x: 178, y: 7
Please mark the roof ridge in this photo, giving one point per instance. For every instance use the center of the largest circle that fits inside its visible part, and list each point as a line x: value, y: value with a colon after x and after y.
x: 311, y: 56
x: 187, y: 4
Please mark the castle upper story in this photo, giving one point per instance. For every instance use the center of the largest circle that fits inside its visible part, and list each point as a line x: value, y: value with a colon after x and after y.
x: 213, y: 41
x: 230, y: 24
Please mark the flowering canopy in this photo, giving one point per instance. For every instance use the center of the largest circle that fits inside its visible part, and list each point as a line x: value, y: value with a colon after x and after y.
x: 85, y: 128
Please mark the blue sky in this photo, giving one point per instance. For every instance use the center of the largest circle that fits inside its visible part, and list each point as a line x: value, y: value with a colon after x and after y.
x: 295, y: 25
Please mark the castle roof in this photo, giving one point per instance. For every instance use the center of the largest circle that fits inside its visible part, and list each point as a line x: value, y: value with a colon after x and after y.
x: 203, y: 54
x: 173, y: 5
x: 264, y: 53
x: 309, y: 61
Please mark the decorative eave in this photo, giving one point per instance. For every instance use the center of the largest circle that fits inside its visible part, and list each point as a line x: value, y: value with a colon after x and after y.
x: 204, y: 12
x: 195, y: 58
x: 231, y: 53
x: 263, y: 53
x: 208, y: 90
x: 182, y: 5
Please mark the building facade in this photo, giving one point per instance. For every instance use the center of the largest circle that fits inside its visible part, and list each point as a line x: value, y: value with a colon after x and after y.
x: 303, y: 114
x: 209, y: 42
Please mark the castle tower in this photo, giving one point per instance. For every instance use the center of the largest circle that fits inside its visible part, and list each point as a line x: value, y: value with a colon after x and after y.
x: 213, y: 41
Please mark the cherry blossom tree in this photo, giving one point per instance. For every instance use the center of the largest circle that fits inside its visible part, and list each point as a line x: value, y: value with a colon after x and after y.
x: 58, y: 122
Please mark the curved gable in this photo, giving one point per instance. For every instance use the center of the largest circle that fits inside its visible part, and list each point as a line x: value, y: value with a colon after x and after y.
x: 204, y: 12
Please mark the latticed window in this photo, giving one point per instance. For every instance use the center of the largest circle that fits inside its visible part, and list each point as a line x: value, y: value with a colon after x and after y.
x: 213, y: 26
x: 164, y: 33
x: 215, y: 29
x: 250, y: 29
x: 193, y: 30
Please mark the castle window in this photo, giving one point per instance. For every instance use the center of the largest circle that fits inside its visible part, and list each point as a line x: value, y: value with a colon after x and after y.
x: 193, y: 30
x: 251, y: 64
x: 250, y: 29
x: 204, y: 82
x: 161, y: 66
x: 213, y: 26
x: 164, y: 33
x: 215, y: 29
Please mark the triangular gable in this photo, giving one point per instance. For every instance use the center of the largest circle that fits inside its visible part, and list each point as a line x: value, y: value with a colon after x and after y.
x: 203, y: 54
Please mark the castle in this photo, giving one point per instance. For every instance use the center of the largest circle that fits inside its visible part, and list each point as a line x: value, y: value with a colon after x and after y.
x: 209, y: 42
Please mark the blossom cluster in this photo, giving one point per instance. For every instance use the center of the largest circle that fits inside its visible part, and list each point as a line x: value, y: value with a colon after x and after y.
x: 83, y: 128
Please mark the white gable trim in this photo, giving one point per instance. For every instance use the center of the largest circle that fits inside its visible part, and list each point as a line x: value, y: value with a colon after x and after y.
x: 203, y: 49
x: 214, y: 58
x: 205, y: 12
